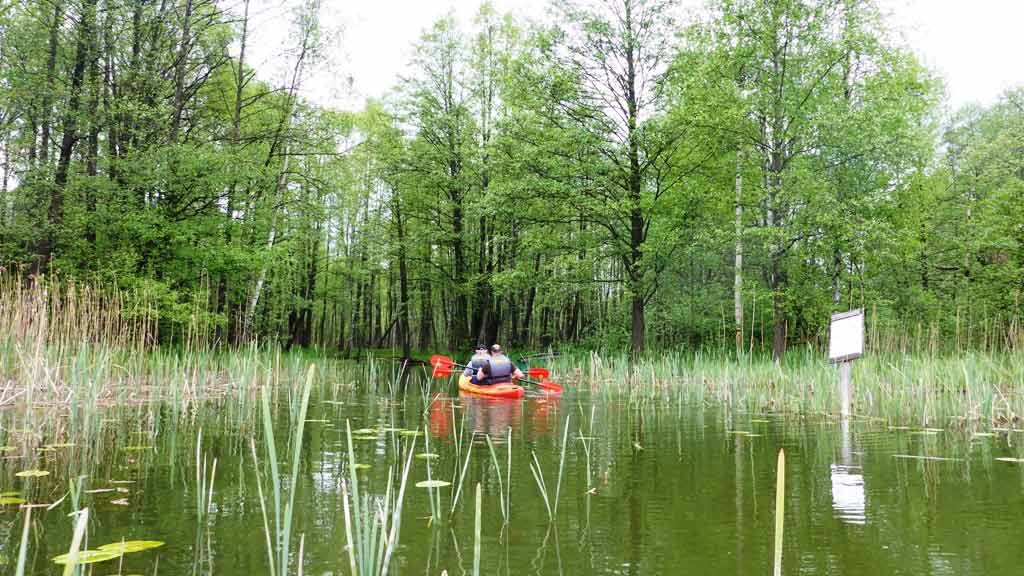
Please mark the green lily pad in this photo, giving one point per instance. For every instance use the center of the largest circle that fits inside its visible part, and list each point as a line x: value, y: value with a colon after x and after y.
x: 432, y: 484
x: 427, y: 456
x: 7, y: 500
x: 89, y: 557
x: 361, y: 467
x: 32, y: 473
x: 9, y: 494
x: 130, y: 546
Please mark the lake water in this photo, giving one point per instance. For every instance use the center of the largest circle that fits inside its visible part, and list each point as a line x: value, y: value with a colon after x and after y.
x: 666, y: 488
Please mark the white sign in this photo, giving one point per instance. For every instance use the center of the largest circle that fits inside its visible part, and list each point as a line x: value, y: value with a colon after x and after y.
x: 846, y: 337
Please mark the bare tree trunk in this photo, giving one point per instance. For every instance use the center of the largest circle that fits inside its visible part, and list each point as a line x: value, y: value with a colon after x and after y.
x: 254, y: 295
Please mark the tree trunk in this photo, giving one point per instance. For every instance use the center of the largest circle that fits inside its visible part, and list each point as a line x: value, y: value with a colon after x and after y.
x: 738, y: 267
x: 70, y: 133
x: 179, y: 72
x: 403, y: 284
x: 51, y: 73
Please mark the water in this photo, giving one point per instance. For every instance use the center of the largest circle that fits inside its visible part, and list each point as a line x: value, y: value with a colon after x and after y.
x: 671, y: 489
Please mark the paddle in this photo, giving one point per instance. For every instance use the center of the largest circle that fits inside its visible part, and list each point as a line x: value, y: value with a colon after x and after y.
x: 443, y: 368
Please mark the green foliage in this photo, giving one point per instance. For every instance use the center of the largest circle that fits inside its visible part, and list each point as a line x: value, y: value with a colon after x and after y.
x: 573, y: 182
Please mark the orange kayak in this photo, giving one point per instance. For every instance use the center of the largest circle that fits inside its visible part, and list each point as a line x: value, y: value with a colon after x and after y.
x: 491, y: 391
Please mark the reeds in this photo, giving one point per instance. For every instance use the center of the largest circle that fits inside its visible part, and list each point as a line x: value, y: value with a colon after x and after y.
x: 283, y: 511
x: 972, y: 386
x: 372, y: 532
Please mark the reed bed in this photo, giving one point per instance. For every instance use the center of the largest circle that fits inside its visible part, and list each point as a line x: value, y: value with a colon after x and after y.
x: 970, y: 386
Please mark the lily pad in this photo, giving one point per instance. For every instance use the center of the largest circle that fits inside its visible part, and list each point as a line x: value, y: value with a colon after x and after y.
x: 7, y: 500
x: 427, y: 456
x: 32, y: 473
x: 360, y: 467
x: 9, y: 494
x: 432, y: 484
x: 130, y: 546
x: 89, y: 557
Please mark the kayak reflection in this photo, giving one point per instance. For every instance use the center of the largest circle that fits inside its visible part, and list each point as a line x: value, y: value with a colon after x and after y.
x: 493, y: 416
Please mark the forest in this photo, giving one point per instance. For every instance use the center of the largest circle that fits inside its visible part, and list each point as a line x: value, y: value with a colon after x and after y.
x: 616, y: 174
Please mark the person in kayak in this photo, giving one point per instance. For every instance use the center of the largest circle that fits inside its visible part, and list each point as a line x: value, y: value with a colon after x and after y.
x: 499, y: 369
x: 479, y: 360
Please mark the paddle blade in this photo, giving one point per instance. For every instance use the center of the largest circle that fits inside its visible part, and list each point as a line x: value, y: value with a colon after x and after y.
x: 550, y: 386
x: 443, y: 361
x: 441, y: 371
x: 541, y: 373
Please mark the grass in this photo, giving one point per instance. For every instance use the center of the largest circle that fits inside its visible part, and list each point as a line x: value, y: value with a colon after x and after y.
x: 924, y: 388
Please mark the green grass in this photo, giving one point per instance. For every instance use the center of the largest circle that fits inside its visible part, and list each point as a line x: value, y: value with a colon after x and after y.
x: 921, y: 389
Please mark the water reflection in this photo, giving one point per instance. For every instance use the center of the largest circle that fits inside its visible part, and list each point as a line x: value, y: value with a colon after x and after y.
x: 493, y: 416
x: 848, y: 499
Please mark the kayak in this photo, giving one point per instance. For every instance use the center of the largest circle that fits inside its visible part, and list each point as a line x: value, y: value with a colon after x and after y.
x: 490, y: 391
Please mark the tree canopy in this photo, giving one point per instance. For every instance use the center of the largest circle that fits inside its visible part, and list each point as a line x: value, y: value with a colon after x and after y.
x: 620, y: 174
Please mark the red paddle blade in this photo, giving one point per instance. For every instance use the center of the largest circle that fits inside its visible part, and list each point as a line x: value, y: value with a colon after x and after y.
x: 550, y: 386
x: 443, y: 361
x: 541, y: 373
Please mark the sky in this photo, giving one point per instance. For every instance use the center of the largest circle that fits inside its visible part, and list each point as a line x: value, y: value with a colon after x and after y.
x: 975, y: 45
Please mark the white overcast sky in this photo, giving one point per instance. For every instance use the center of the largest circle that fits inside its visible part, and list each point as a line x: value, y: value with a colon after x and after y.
x: 976, y: 45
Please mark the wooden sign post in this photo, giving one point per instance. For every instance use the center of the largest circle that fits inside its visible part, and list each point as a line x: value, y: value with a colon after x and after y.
x: 846, y: 343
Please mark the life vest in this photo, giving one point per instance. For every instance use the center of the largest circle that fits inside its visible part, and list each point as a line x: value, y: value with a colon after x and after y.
x: 478, y: 361
x: 501, y: 369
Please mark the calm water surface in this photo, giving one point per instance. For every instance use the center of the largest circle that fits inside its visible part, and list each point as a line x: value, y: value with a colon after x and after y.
x: 667, y: 488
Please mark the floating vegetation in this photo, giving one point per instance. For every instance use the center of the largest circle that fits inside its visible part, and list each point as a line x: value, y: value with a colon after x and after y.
x: 432, y: 484
x: 88, y: 556
x: 9, y: 500
x: 130, y: 546
x: 32, y: 473
x: 362, y: 466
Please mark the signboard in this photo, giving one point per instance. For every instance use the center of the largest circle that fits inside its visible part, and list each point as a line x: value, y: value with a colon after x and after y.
x: 846, y: 337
